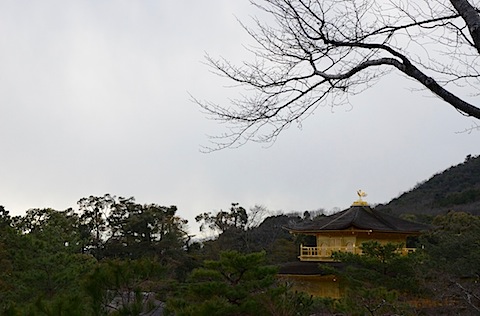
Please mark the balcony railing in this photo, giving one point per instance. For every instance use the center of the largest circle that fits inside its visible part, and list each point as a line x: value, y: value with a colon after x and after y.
x: 325, y: 253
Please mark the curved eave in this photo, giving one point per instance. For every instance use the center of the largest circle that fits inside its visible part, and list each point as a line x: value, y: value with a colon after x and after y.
x: 356, y: 230
x: 324, y: 231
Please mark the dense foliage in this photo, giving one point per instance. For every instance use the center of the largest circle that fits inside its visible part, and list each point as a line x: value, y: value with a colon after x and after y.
x: 238, y: 284
x: 105, y: 257
x: 75, y: 263
x: 456, y: 188
x: 116, y: 257
x: 441, y: 278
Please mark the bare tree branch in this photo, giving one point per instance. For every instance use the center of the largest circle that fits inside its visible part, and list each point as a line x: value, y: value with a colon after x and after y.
x: 471, y: 17
x: 320, y: 52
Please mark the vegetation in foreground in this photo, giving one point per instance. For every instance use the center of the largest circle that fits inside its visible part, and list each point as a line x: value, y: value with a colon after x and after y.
x: 106, y: 258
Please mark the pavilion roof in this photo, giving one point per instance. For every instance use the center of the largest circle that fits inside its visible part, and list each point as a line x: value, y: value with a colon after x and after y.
x: 361, y: 217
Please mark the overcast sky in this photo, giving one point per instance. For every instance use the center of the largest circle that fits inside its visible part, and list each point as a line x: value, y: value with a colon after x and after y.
x: 94, y: 99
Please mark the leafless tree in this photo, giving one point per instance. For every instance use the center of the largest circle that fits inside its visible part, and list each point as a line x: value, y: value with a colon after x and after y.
x: 320, y: 52
x: 256, y: 215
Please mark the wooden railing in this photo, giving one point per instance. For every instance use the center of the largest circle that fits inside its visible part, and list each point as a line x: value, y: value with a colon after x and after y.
x: 325, y: 253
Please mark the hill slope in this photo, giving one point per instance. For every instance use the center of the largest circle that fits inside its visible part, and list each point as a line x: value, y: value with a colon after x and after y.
x: 457, y: 188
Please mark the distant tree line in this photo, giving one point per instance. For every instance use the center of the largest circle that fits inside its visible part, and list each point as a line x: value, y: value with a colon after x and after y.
x: 75, y: 262
x: 112, y: 254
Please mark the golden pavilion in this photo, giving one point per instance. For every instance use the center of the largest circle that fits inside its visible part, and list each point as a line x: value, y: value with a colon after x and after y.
x: 344, y: 231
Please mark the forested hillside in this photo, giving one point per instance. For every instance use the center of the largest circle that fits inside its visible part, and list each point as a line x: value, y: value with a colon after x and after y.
x: 114, y: 256
x: 457, y: 188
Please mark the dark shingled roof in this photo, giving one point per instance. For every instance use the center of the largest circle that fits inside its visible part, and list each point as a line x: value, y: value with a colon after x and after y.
x: 359, y: 217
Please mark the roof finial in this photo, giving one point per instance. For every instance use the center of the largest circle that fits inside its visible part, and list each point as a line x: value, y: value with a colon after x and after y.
x: 361, y: 194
